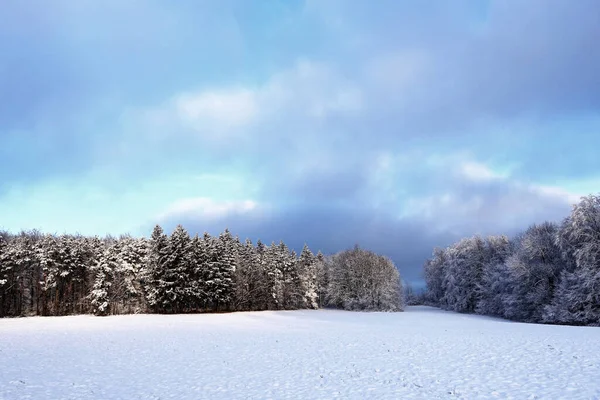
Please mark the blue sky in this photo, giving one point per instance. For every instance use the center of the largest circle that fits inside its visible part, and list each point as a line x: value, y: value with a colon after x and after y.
x: 399, y: 125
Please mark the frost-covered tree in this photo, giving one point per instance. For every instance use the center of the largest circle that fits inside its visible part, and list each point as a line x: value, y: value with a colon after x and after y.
x: 100, y: 295
x: 156, y: 285
x: 220, y: 269
x: 56, y: 270
x: 7, y: 280
x: 273, y: 277
x: 248, y: 279
x: 362, y: 280
x: 534, y: 267
x: 309, y: 281
x: 495, y: 283
x: 263, y: 291
x: 292, y: 290
x: 322, y: 273
x: 434, y: 273
x: 463, y: 274
x: 130, y: 265
x: 198, y: 259
x: 178, y: 272
x: 577, y: 297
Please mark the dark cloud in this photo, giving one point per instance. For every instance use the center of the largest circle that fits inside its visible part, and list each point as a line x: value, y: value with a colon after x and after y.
x: 460, y: 206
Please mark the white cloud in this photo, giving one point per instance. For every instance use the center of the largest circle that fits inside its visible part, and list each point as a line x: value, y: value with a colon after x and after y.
x: 470, y: 197
x: 306, y: 93
x: 556, y: 192
x: 223, y: 109
x: 479, y: 172
x: 207, y: 208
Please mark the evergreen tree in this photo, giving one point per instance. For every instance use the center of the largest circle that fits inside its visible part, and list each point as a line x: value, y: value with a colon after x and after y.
x: 247, y: 278
x: 178, y: 271
x: 292, y: 295
x: 100, y: 297
x: 274, y: 276
x: 322, y: 273
x: 198, y: 296
x: 308, y: 271
x: 130, y: 256
x: 156, y: 285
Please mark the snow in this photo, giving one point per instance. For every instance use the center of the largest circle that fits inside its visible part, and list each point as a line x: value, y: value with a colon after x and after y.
x: 423, y: 353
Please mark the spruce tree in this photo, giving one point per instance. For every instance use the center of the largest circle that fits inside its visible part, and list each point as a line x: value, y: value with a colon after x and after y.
x: 308, y: 271
x: 155, y: 283
x: 100, y: 296
x: 322, y: 273
x: 178, y: 270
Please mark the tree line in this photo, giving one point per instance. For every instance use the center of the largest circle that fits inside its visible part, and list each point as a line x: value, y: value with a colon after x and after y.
x: 43, y: 274
x: 548, y: 274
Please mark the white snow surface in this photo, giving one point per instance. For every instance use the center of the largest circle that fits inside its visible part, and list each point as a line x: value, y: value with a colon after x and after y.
x: 422, y: 353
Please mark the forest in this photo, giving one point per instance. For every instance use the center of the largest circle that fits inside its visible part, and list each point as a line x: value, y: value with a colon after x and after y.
x: 44, y: 274
x: 548, y: 274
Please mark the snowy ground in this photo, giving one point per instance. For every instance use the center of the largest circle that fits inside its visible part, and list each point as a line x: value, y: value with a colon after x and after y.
x: 422, y: 353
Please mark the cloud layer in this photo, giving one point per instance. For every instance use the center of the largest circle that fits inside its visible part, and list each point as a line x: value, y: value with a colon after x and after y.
x: 399, y: 126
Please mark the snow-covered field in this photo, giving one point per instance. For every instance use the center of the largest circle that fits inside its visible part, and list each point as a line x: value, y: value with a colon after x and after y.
x: 422, y: 353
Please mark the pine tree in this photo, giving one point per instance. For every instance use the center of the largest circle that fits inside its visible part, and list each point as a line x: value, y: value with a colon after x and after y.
x: 223, y: 268
x: 274, y: 277
x: 6, y: 275
x: 322, y: 269
x: 178, y: 271
x: 308, y: 271
x: 130, y: 255
x: 155, y: 283
x: 247, y: 278
x: 198, y: 296
x: 263, y: 291
x: 100, y: 297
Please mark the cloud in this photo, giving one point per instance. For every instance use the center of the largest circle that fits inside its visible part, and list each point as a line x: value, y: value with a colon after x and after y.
x: 398, y: 125
x: 206, y: 209
x: 218, y: 109
x: 479, y: 172
x: 373, y: 213
x: 302, y: 97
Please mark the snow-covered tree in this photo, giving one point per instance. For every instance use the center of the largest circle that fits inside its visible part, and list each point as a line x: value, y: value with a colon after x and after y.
x: 434, y: 271
x: 362, y: 280
x: 535, y: 268
x: 198, y: 260
x: 249, y: 290
x: 308, y: 272
x: 463, y: 274
x: 130, y: 258
x: 7, y: 266
x: 156, y: 285
x: 100, y: 297
x: 577, y: 298
x: 495, y: 284
x: 322, y: 271
x: 178, y: 272
x: 292, y: 294
x: 220, y: 269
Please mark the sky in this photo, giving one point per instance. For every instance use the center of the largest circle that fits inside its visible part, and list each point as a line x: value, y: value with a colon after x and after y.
x: 396, y: 125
